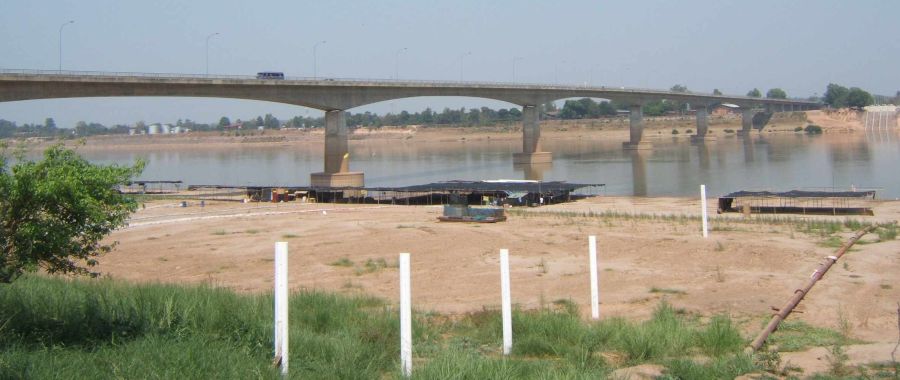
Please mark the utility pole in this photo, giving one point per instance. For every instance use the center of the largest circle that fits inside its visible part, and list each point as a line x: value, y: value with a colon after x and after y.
x: 397, y: 63
x: 315, y: 59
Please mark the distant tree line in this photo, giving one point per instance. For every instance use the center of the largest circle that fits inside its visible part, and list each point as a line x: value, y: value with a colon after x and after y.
x: 462, y: 116
x: 836, y: 96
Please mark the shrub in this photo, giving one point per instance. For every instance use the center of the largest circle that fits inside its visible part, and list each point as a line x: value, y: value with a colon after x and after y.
x: 813, y: 129
x: 674, y: 131
x: 798, y: 129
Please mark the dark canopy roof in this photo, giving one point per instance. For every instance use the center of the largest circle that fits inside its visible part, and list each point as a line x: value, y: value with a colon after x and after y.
x: 508, y: 186
x: 804, y: 194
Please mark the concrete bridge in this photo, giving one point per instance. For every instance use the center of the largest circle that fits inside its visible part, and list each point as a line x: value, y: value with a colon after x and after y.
x: 335, y: 96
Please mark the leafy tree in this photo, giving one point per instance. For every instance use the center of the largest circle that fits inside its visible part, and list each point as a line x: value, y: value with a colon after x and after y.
x: 659, y: 107
x: 271, y: 122
x: 717, y: 92
x: 49, y: 123
x: 754, y: 93
x: 224, y: 122
x: 7, y: 128
x: 836, y: 95
x: 859, y: 98
x: 586, y: 108
x: 776, y: 93
x: 679, y: 88
x: 55, y: 212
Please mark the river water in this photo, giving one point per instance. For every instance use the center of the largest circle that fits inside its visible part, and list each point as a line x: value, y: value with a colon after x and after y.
x: 674, y: 167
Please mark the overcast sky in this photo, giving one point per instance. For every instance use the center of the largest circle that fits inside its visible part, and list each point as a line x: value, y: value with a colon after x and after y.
x: 734, y: 46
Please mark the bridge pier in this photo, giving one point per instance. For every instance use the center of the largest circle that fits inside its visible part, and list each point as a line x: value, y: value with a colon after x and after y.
x: 702, y: 125
x: 337, y: 155
x: 636, y: 129
x: 746, y: 121
x: 531, y: 139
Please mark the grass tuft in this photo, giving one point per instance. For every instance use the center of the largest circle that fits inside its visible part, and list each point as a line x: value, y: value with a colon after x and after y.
x: 342, y: 262
x: 667, y: 290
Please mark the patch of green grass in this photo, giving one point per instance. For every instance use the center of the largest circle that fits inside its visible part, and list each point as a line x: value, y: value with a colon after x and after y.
x: 667, y: 290
x: 371, y: 266
x: 727, y: 367
x: 289, y: 236
x: 886, y: 286
x: 887, y: 232
x: 719, y: 337
x: 832, y: 242
x: 107, y: 329
x: 220, y: 232
x: 252, y: 231
x: 342, y: 262
x: 798, y: 336
x: 110, y: 329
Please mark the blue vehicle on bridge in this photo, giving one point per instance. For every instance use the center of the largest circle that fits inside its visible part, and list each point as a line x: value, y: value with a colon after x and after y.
x: 269, y: 75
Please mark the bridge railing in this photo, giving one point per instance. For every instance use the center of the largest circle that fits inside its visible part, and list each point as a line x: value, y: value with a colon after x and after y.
x: 449, y: 83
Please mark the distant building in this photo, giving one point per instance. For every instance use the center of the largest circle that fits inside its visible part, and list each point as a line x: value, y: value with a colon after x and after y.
x: 724, y: 109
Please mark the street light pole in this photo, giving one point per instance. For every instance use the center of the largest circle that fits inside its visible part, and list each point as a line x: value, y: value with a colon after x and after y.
x: 60, y: 41
x: 515, y: 59
x: 397, y: 63
x: 207, y: 50
x: 315, y: 59
x: 556, y: 72
x: 461, y: 64
x: 591, y: 74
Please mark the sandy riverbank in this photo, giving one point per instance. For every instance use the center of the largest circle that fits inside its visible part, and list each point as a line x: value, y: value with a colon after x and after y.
x: 743, y: 269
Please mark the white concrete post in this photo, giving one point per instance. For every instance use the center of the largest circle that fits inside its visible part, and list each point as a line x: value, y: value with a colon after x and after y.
x: 281, y: 305
x: 595, y: 287
x: 703, y: 210
x: 405, y: 317
x: 505, y: 301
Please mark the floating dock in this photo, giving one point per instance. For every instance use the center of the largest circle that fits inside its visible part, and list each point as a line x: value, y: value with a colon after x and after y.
x: 798, y: 202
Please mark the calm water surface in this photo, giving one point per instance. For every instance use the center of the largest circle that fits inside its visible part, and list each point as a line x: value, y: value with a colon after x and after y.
x: 769, y: 161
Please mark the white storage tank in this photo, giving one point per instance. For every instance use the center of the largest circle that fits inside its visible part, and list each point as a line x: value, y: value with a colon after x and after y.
x: 166, y: 129
x: 153, y: 129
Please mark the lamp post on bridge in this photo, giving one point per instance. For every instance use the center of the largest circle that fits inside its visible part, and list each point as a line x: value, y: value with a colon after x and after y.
x: 461, y: 56
x: 397, y: 63
x: 207, y: 50
x: 556, y: 73
x: 315, y: 59
x: 591, y: 74
x: 515, y: 59
x: 60, y: 41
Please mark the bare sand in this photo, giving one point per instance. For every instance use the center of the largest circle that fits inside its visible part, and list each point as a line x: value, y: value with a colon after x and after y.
x: 742, y: 269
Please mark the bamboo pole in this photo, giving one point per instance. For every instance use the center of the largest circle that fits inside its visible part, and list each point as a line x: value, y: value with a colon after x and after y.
x: 800, y: 293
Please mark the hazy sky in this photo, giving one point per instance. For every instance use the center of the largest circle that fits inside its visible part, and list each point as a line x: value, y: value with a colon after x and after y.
x: 799, y: 46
